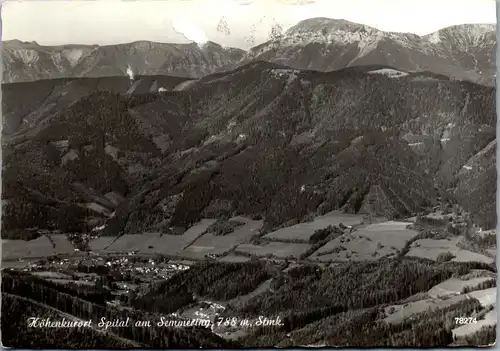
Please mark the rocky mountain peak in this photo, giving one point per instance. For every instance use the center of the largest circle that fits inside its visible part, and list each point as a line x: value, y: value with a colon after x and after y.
x: 465, y: 35
x: 328, y: 25
x: 476, y: 29
x: 465, y: 52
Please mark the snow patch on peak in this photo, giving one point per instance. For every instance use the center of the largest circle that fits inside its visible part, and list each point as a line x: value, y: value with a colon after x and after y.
x: 464, y: 35
x: 73, y: 56
x: 477, y: 29
x: 327, y: 31
x: 338, y: 36
x: 327, y: 25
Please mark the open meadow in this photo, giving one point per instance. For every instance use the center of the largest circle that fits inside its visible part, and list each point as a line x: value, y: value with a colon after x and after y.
x: 275, y: 249
x: 62, y: 244
x: 303, y: 231
x: 209, y: 243
x: 151, y: 242
x: 36, y: 248
x: 367, y: 243
x: 431, y: 248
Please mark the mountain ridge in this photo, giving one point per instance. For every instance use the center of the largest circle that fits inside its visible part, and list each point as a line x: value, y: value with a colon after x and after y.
x: 28, y: 62
x: 465, y: 52
x: 462, y: 51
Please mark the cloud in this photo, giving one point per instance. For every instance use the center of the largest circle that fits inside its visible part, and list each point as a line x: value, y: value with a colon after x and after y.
x: 189, y: 30
x: 243, y: 2
x: 296, y: 2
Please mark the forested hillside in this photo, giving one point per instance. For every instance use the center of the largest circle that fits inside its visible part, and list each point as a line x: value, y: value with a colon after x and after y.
x: 263, y: 141
x: 21, y: 291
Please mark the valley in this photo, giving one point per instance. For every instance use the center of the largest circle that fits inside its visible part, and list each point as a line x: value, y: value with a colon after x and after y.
x: 337, y: 182
x: 130, y: 268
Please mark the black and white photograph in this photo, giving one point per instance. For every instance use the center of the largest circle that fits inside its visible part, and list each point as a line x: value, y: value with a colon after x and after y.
x: 229, y: 174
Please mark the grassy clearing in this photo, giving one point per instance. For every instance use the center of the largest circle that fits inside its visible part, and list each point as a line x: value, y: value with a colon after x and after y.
x: 468, y: 256
x: 485, y: 297
x: 63, y: 245
x: 369, y: 243
x: 152, y: 243
x: 445, y: 294
x: 454, y: 286
x: 39, y: 247
x: 275, y: 249
x: 303, y: 231
x: 210, y: 243
x: 398, y: 313
x: 234, y: 259
x: 431, y: 249
x: 198, y: 252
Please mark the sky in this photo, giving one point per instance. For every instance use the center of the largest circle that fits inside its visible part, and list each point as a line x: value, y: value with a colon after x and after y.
x: 236, y: 23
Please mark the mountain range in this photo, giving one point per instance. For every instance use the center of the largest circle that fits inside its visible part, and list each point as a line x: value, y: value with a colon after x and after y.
x: 464, y: 52
x: 263, y: 140
x: 30, y: 61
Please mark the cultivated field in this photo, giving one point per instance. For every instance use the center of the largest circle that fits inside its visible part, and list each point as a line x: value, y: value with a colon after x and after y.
x: 446, y: 294
x: 151, y: 243
x: 486, y: 297
x: 234, y: 259
x: 303, y: 231
x: 369, y: 243
x: 198, y: 252
x: 39, y: 247
x: 63, y: 245
x: 398, y: 313
x: 277, y: 249
x: 220, y: 244
x: 430, y: 249
x: 454, y: 286
x: 438, y: 215
x: 101, y: 243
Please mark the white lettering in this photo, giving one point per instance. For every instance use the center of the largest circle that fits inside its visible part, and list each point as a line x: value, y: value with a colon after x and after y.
x: 32, y: 322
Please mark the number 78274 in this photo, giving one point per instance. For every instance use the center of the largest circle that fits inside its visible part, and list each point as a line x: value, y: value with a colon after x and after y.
x: 465, y: 320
